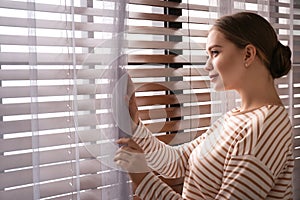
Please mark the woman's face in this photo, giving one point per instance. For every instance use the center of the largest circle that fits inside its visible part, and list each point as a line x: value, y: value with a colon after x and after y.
x: 225, y: 63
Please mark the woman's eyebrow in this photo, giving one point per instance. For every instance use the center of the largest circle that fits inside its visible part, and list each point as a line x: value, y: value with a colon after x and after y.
x: 213, y: 46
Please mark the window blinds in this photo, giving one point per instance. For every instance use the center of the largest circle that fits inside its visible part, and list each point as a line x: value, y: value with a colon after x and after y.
x: 166, y: 60
x: 284, y: 17
x: 166, y: 56
x: 151, y: 62
x: 56, y: 128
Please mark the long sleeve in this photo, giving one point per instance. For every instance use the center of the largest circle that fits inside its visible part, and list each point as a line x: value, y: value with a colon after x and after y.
x: 246, y: 177
x: 262, y: 158
x: 153, y: 187
x: 243, y: 156
x: 167, y: 160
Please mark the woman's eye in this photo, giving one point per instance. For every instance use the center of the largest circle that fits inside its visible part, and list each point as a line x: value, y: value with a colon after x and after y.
x: 214, y: 53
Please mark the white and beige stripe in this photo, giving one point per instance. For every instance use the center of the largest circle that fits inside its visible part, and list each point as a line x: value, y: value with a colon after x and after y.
x: 242, y: 156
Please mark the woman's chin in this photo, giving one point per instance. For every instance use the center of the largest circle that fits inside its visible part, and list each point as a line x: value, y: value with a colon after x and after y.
x: 218, y: 87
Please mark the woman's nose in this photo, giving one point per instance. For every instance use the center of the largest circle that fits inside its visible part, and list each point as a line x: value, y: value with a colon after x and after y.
x: 208, y: 65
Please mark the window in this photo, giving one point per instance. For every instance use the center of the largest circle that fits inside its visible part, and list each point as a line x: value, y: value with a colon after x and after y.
x: 173, y: 61
x: 56, y: 124
x: 57, y: 131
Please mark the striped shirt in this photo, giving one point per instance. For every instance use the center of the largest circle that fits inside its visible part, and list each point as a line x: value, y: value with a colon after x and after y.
x: 242, y: 156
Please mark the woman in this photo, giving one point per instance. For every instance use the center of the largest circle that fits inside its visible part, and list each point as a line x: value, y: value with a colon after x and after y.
x: 247, y: 153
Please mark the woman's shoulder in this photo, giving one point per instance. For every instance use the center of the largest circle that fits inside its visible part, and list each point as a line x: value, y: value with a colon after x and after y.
x: 263, y: 112
x: 258, y: 119
x: 265, y: 127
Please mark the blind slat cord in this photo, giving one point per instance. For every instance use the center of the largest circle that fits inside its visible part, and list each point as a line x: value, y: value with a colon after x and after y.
x: 34, y: 98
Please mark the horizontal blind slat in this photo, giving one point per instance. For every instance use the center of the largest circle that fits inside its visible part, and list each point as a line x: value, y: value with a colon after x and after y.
x: 169, y: 4
x: 165, y: 59
x: 16, y: 58
x: 174, y: 85
x: 296, y: 122
x: 168, y: 18
x: 56, y: 74
x: 172, y: 99
x: 62, y: 187
x: 53, y: 41
x: 57, y: 90
x: 64, y: 59
x: 166, y: 31
x: 297, y: 142
x: 296, y: 153
x: 97, y: 43
x: 167, y: 72
x: 174, y: 112
x: 55, y: 123
x: 296, y: 100
x: 58, y: 25
x: 95, y: 193
x: 52, y: 172
x: 55, y: 139
x: 66, y: 153
x: 165, y: 45
x: 55, y: 106
x: 178, y: 125
x: 62, y: 9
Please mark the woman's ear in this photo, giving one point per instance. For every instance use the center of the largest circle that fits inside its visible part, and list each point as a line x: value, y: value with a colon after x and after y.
x: 250, y: 54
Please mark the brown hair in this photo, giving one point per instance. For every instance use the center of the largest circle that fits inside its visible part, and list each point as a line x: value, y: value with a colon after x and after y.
x: 249, y: 28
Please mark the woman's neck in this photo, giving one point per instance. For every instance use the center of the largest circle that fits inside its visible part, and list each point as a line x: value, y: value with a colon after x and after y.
x: 257, y: 95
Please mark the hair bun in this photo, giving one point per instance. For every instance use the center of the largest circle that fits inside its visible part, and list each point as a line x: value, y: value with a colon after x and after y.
x: 281, y: 61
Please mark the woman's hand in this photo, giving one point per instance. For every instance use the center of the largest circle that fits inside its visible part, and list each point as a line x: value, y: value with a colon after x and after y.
x: 130, y: 157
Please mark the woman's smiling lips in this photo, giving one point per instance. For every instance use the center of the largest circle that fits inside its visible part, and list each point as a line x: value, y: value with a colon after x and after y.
x: 213, y: 76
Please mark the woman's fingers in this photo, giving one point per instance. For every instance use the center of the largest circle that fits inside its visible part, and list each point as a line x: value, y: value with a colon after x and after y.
x: 131, y: 159
x: 126, y: 153
x: 130, y: 143
x: 122, y: 154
